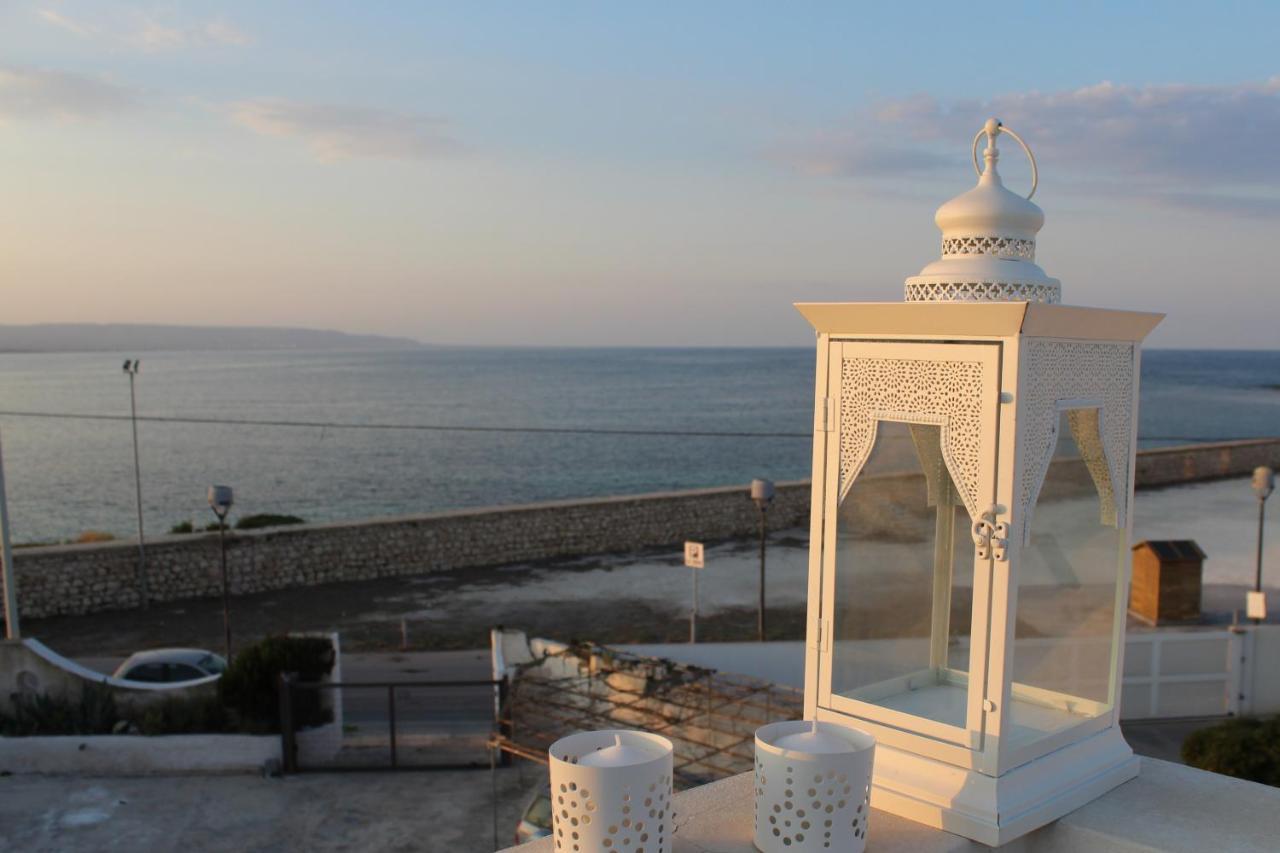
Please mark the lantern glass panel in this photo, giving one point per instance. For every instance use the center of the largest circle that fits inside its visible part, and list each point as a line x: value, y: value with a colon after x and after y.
x: 904, y: 581
x: 1064, y: 643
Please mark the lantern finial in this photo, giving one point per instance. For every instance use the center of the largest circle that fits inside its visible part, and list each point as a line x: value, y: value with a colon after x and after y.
x: 988, y: 239
x: 992, y: 153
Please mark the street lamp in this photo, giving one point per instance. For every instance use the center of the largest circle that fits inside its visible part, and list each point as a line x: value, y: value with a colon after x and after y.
x: 1264, y: 483
x: 762, y: 493
x: 10, y: 590
x: 131, y: 368
x: 220, y: 500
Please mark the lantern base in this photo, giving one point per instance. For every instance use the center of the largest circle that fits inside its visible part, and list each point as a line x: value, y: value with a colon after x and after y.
x: 996, y: 810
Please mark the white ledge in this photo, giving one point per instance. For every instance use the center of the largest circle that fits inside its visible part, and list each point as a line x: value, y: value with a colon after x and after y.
x: 1167, y: 808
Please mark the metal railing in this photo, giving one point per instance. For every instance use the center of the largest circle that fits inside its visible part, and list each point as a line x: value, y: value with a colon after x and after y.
x: 439, y: 724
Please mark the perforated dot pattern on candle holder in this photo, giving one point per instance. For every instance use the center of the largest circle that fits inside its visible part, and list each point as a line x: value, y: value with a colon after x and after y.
x: 815, y: 803
x: 623, y: 809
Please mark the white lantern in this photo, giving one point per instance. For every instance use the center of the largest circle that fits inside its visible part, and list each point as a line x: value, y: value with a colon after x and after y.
x: 813, y: 784
x: 972, y: 482
x: 611, y: 791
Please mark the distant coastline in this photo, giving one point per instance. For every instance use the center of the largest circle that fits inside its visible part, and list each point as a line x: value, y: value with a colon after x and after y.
x: 135, y: 338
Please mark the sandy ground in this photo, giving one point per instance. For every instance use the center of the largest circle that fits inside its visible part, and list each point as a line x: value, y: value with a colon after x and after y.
x: 629, y: 598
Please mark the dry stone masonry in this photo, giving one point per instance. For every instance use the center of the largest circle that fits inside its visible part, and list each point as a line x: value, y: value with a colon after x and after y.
x: 74, y: 579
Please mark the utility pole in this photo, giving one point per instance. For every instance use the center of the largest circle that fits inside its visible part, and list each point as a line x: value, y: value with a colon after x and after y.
x: 11, y: 630
x: 131, y: 368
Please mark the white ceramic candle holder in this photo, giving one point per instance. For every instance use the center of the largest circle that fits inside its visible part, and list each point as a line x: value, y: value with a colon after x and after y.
x: 611, y: 791
x: 813, y: 787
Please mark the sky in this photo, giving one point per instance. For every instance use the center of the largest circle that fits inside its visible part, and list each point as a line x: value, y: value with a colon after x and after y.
x: 657, y: 173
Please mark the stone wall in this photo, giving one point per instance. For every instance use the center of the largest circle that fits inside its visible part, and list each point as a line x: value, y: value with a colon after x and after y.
x: 72, y: 579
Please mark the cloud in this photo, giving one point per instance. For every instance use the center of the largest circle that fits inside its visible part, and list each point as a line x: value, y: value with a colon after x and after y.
x: 149, y: 32
x: 1203, y: 147
x: 153, y: 35
x: 337, y: 132
x: 71, y: 25
x: 28, y: 93
x: 224, y: 32
x: 847, y: 154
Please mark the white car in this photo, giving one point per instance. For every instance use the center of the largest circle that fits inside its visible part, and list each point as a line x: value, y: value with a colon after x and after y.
x: 165, y: 666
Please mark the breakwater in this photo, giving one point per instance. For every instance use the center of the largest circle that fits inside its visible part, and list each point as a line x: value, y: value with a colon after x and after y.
x: 74, y: 579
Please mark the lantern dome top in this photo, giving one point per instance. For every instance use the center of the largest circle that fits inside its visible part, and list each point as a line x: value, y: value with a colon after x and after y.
x: 988, y: 239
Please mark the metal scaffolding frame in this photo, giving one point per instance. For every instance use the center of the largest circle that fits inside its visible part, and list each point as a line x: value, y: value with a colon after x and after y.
x: 709, y: 716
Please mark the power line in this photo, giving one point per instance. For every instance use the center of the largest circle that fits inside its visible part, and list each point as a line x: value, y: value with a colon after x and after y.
x: 178, y: 419
x: 672, y: 433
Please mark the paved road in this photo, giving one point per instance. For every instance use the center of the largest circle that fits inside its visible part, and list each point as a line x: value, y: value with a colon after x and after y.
x: 434, y: 811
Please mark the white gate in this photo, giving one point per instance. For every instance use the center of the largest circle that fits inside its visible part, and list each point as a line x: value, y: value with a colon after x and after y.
x: 1181, y: 674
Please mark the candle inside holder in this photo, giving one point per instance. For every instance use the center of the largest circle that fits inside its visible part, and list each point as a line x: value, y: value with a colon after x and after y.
x: 618, y: 754
x: 611, y: 790
x: 807, y: 769
x: 814, y: 742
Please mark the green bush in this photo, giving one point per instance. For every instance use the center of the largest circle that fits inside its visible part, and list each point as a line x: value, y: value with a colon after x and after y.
x: 249, y: 687
x: 1244, y: 748
x: 186, y: 715
x: 267, y: 519
x: 94, y: 712
x: 182, y: 527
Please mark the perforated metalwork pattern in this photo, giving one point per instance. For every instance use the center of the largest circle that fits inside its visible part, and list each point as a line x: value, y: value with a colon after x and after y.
x: 982, y: 291
x: 1003, y: 247
x: 946, y: 393
x: 1053, y: 371
x: 821, y: 808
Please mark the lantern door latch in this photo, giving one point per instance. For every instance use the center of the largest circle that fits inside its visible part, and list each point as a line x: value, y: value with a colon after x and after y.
x: 991, y: 538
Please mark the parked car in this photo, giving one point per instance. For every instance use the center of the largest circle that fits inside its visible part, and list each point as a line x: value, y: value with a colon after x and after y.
x: 535, y: 819
x: 166, y: 666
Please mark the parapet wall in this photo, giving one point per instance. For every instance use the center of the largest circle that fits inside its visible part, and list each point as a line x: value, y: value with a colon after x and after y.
x: 72, y: 579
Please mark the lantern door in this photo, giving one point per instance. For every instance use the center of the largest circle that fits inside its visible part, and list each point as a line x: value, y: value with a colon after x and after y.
x: 1070, y: 552
x: 906, y: 586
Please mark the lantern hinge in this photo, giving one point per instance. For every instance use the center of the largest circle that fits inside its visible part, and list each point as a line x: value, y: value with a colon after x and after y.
x: 824, y: 416
x: 822, y: 635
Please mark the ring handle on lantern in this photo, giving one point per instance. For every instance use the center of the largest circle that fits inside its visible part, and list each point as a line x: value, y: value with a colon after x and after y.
x: 1000, y: 128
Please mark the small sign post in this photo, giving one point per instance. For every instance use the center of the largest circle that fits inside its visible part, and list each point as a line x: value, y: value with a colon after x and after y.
x: 693, y: 558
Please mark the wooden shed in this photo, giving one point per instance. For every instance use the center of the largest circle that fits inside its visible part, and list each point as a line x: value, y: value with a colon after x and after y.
x: 1166, y: 581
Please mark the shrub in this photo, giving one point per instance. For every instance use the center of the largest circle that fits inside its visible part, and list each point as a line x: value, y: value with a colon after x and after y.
x: 184, y: 715
x: 250, y: 684
x: 94, y: 712
x: 267, y: 519
x: 1244, y: 748
x: 182, y: 527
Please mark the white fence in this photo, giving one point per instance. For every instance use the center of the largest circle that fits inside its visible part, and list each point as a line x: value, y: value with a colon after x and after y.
x: 1168, y: 673
x: 1181, y: 674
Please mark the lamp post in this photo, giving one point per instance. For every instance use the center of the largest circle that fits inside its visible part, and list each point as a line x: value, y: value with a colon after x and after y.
x: 131, y: 368
x: 220, y: 500
x: 11, y: 630
x: 1264, y: 483
x: 762, y: 494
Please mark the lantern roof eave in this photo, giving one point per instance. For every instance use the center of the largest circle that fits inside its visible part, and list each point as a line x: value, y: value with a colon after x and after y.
x: 978, y: 319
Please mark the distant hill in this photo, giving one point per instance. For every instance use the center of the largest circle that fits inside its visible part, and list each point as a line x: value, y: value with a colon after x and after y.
x: 131, y: 338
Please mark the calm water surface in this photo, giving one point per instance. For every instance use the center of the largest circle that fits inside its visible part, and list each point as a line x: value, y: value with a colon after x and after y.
x: 67, y: 476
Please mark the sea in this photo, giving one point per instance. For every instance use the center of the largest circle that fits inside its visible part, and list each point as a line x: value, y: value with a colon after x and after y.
x: 353, y: 434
